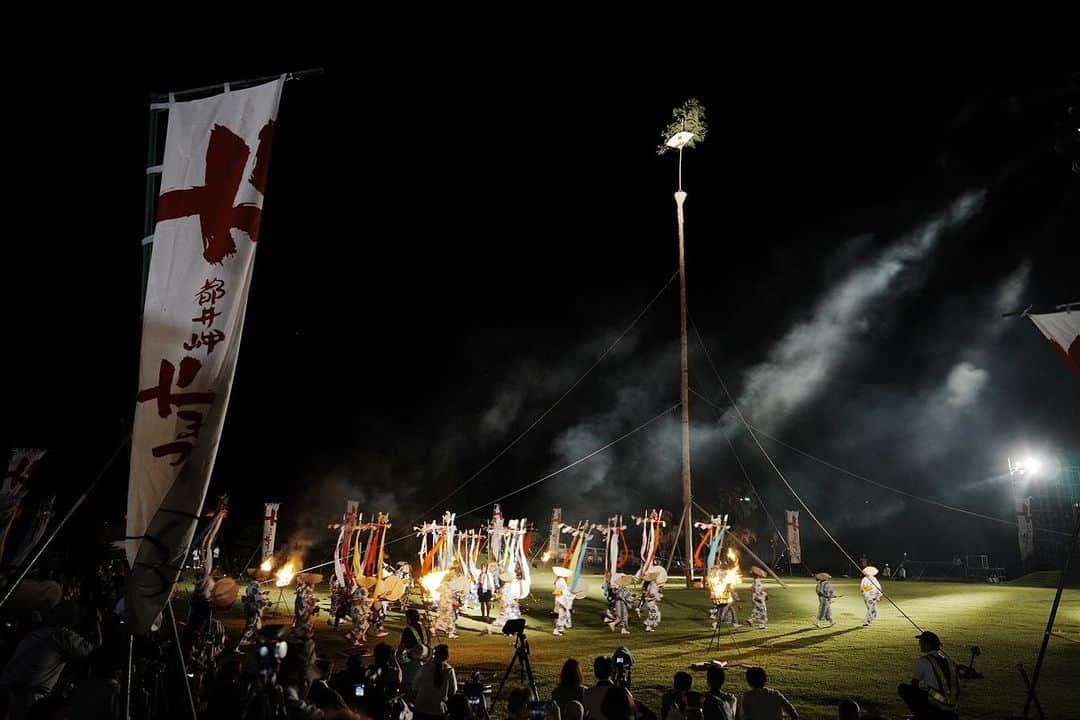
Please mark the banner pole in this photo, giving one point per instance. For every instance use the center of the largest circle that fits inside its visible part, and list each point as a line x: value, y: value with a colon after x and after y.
x: 1070, y: 548
x: 237, y: 84
x: 10, y: 589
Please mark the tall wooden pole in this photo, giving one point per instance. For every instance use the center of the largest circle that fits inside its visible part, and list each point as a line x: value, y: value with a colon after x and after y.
x: 684, y: 394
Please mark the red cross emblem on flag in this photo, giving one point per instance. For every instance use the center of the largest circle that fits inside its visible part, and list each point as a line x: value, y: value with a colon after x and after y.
x: 272, y: 517
x: 226, y: 157
x: 793, y: 523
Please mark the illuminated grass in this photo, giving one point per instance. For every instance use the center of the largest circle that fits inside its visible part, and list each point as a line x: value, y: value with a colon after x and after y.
x: 814, y: 668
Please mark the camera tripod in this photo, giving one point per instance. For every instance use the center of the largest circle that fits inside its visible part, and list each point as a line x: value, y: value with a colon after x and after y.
x: 521, y: 656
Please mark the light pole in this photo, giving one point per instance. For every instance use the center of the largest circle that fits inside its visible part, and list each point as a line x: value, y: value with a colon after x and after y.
x: 687, y: 129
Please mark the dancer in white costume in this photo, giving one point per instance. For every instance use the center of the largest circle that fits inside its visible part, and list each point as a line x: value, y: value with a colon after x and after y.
x: 449, y: 602
x: 760, y: 596
x: 564, y: 599
x: 620, y: 622
x: 871, y: 590
x: 652, y: 592
x: 359, y: 613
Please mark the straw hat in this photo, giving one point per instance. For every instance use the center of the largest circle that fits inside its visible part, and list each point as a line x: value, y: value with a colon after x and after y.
x: 224, y: 593
x: 869, y: 571
x: 367, y: 581
x: 823, y: 576
x: 622, y: 580
x: 312, y: 578
x: 758, y: 571
x: 506, y: 576
x: 657, y: 574
x: 560, y: 571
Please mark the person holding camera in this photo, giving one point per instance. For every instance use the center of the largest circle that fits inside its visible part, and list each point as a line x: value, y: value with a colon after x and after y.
x: 520, y: 706
x: 381, y: 688
x: 433, y: 686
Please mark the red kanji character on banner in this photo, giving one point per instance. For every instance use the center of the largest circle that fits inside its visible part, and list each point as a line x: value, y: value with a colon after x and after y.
x: 211, y: 292
x: 206, y: 317
x: 194, y: 420
x: 189, y: 368
x: 207, y: 340
x: 226, y: 157
x: 180, y: 447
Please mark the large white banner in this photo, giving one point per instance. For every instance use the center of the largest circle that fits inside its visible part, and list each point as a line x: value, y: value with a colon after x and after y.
x: 793, y: 542
x: 217, y: 154
x: 269, y: 529
x: 1025, y: 529
x: 1062, y: 329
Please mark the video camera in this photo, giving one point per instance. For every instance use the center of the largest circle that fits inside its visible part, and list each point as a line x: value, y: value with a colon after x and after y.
x: 514, y: 627
x: 622, y: 664
x: 478, y: 696
x: 271, y: 650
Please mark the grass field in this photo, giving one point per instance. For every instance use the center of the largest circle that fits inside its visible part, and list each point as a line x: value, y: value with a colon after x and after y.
x: 814, y: 668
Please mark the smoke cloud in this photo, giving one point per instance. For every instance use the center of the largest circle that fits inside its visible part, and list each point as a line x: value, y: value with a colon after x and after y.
x: 804, y: 359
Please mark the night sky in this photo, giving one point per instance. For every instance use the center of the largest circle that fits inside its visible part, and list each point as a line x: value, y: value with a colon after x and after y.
x: 445, y: 249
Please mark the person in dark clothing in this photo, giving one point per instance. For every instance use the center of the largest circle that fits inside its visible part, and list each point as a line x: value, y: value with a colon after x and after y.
x: 676, y: 697
x: 345, y: 682
x: 320, y: 694
x: 98, y: 696
x: 571, y: 684
x: 382, y: 683
x: 40, y: 657
x: 593, y: 697
x: 717, y: 704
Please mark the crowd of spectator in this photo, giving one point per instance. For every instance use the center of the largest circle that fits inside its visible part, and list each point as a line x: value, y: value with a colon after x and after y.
x: 70, y: 662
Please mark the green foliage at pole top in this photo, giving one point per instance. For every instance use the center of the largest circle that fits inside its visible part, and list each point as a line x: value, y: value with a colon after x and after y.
x: 688, y: 117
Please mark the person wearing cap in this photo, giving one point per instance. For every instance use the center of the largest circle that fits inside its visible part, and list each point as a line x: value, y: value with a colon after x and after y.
x: 564, y: 599
x: 620, y: 622
x: 935, y: 687
x: 871, y: 592
x: 759, y: 596
x: 651, y: 595
x: 825, y: 595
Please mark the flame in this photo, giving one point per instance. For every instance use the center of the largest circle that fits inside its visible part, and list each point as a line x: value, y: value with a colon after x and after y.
x: 723, y: 581
x: 285, y: 574
x: 545, y: 557
x: 431, y: 582
x: 267, y: 565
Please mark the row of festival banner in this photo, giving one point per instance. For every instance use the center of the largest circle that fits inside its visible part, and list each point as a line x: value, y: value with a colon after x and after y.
x: 213, y: 179
x: 13, y: 488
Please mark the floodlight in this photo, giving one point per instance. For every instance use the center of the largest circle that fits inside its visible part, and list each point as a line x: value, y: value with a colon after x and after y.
x: 679, y: 140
